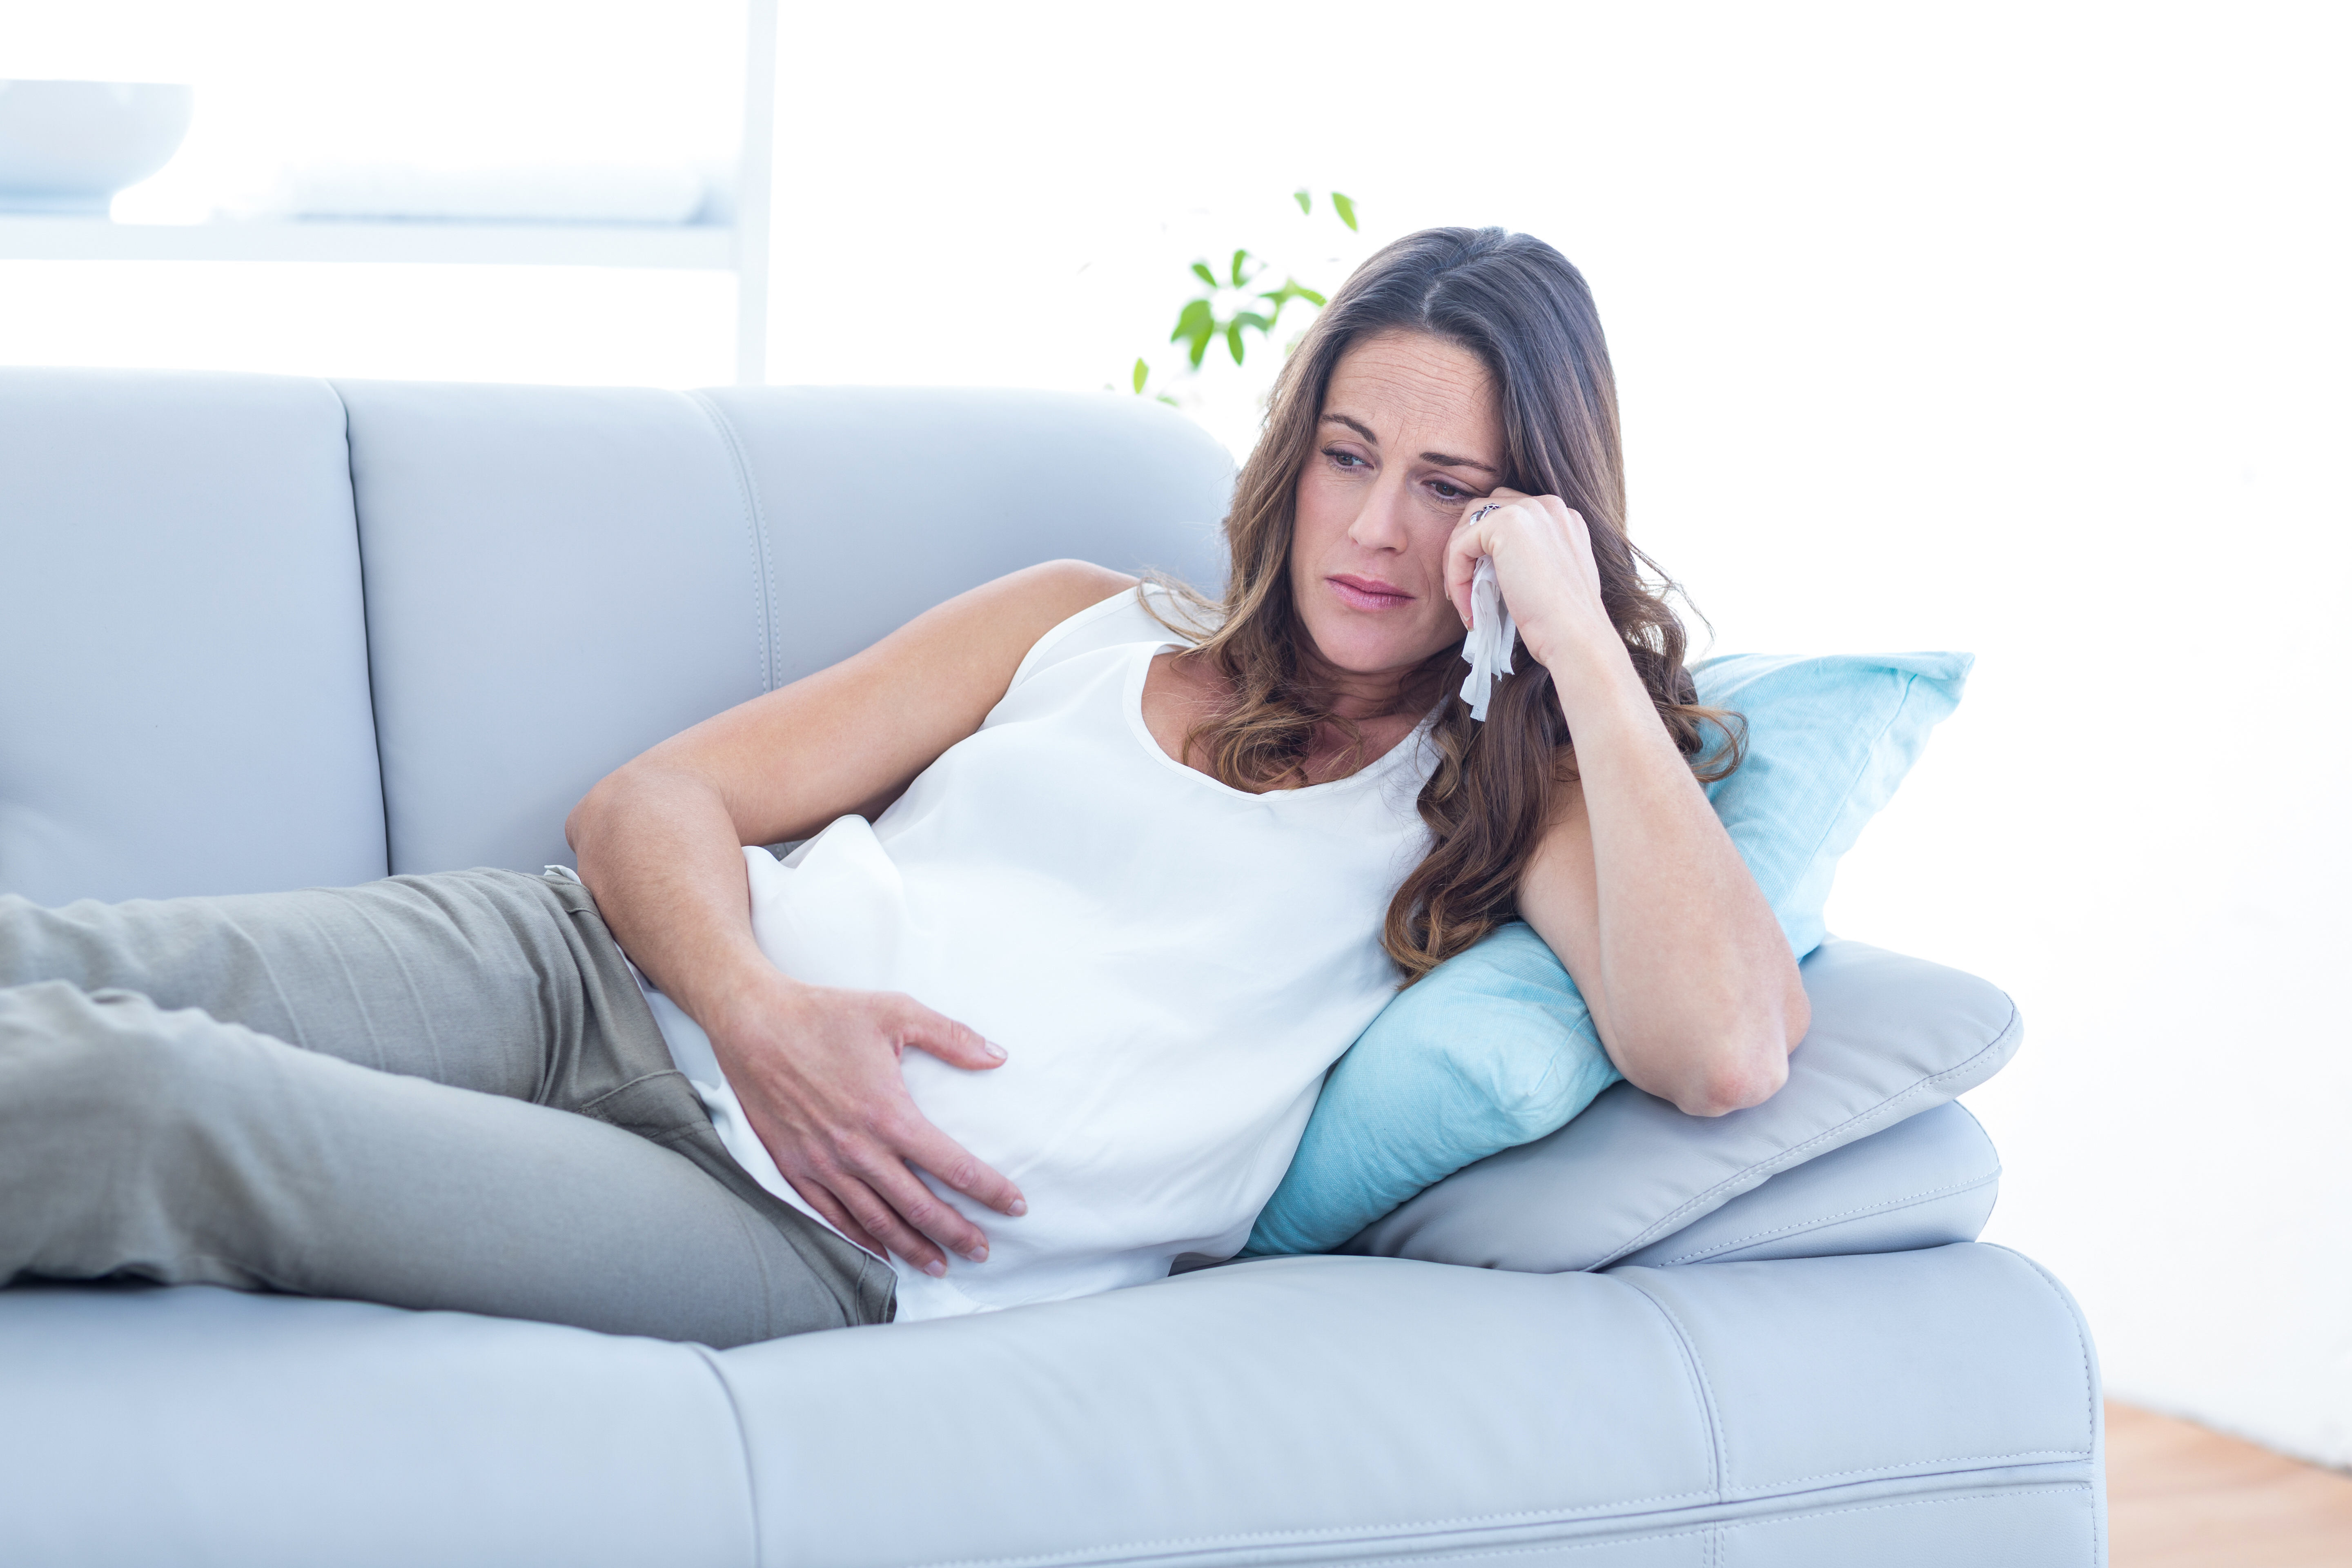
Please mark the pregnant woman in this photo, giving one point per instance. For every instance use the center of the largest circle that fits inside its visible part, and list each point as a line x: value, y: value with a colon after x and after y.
x: 1095, y: 880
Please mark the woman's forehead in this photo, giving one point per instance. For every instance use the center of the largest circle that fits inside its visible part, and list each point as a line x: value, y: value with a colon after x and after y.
x: 1414, y: 390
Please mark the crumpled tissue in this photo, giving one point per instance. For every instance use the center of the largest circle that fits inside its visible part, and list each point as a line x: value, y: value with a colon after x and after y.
x: 1488, y: 646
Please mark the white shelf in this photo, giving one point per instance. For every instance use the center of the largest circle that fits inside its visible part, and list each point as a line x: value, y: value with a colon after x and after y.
x: 33, y: 238
x: 742, y: 249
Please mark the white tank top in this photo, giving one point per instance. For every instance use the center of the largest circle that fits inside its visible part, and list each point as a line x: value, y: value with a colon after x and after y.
x: 1170, y: 964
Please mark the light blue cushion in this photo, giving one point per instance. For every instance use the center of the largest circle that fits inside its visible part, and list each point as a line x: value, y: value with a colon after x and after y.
x: 1494, y: 1049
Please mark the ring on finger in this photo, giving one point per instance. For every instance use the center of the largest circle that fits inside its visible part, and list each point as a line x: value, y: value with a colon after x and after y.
x: 1490, y: 506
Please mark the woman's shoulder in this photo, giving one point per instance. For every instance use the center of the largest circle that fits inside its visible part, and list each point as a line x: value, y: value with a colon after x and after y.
x: 1131, y: 611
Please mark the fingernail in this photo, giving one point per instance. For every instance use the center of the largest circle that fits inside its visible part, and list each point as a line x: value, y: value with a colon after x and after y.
x: 1020, y: 1206
x: 935, y: 1268
x: 978, y: 1254
x: 996, y: 1051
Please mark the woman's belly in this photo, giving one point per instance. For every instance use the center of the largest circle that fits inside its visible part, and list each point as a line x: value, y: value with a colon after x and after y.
x: 1158, y: 1075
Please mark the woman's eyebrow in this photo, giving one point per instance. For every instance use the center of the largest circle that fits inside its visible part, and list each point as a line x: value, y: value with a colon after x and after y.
x: 1441, y: 459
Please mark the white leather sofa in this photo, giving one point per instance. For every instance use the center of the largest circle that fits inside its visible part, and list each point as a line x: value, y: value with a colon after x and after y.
x: 259, y: 632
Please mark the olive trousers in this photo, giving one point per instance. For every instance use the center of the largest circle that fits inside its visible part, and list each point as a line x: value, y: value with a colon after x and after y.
x: 431, y: 1091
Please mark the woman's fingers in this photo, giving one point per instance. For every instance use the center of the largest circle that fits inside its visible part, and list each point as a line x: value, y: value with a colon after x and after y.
x: 1474, y: 536
x: 911, y: 1217
x: 1542, y: 552
x: 825, y: 1095
x: 943, y: 1038
x: 820, y: 1198
x: 882, y: 1214
x: 925, y: 1145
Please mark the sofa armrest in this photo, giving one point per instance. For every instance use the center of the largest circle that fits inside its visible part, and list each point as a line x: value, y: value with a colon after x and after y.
x: 1891, y: 1036
x: 1925, y: 1182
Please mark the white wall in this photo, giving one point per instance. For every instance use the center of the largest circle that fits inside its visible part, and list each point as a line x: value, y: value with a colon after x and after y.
x: 2020, y: 328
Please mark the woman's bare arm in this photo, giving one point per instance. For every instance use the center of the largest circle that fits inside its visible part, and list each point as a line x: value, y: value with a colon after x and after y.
x: 1637, y: 885
x: 660, y: 844
x: 1687, y: 976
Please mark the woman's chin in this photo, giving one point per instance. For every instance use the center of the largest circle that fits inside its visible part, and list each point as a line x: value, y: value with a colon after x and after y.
x: 1368, y: 652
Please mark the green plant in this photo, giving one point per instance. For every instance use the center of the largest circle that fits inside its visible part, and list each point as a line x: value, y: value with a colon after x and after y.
x: 1227, y: 305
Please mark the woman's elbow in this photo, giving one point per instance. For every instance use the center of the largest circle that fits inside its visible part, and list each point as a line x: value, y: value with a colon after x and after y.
x: 1746, y: 1071
x: 1737, y: 1083
x: 596, y: 804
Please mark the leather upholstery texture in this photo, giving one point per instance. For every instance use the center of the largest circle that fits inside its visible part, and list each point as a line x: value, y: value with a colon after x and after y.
x: 1936, y: 1407
x: 560, y: 577
x: 1929, y: 1181
x: 265, y: 632
x: 1891, y: 1036
x: 184, y: 681
x: 192, y: 1424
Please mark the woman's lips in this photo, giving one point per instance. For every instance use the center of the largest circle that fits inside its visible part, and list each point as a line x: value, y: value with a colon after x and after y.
x: 1368, y: 593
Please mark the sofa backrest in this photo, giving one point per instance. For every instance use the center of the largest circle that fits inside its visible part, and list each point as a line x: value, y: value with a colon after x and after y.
x: 557, y: 578
x: 184, y: 673
x: 261, y: 632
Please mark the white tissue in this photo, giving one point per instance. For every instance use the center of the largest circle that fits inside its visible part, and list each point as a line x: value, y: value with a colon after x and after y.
x: 1488, y: 646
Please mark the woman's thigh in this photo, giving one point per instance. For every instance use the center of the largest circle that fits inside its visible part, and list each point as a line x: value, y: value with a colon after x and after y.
x: 138, y: 1141
x: 470, y: 978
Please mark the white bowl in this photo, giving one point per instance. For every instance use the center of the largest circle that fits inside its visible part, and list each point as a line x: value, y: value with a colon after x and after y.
x: 68, y: 146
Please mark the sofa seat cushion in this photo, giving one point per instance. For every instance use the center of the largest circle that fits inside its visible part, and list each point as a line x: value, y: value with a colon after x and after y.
x: 196, y: 1424
x: 1936, y: 1407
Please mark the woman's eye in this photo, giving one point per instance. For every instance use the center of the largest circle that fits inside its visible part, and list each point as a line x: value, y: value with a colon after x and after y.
x: 1344, y: 459
x: 1449, y: 492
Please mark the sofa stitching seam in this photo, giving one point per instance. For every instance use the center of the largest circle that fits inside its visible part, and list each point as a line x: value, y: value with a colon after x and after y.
x: 1719, y: 1440
x: 2083, y: 1350
x: 1526, y: 1517
x: 367, y: 622
x: 1718, y: 1527
x: 742, y: 1447
x: 1993, y: 1496
x: 1821, y: 1221
x: 763, y: 577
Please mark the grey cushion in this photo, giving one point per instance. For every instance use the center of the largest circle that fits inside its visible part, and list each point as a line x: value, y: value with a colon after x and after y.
x: 1891, y: 1036
x: 559, y: 577
x: 1349, y: 1409
x: 195, y: 1425
x: 1929, y: 1181
x: 1936, y: 1407
x: 882, y: 502
x: 183, y: 683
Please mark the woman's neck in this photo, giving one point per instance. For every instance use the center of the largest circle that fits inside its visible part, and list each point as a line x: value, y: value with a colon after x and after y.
x: 1357, y: 697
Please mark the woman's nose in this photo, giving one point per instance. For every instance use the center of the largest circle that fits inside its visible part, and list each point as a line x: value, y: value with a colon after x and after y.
x: 1380, y: 524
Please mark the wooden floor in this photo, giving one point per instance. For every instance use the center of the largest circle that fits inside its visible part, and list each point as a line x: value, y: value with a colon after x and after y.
x: 2181, y: 1497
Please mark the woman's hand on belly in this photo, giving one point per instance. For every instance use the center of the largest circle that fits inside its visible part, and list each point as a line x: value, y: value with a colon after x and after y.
x: 816, y: 1069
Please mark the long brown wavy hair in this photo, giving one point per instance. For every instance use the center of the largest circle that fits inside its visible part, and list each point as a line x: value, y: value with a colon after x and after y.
x: 1522, y: 308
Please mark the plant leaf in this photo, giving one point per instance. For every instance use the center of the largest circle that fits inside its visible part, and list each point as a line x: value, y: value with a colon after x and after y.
x: 1201, y: 270
x: 1142, y: 374
x: 1233, y: 340
x: 1311, y: 297
x: 1192, y: 320
x: 1345, y: 209
x: 1199, y: 347
x: 1251, y: 319
x: 1239, y: 257
x: 1305, y: 200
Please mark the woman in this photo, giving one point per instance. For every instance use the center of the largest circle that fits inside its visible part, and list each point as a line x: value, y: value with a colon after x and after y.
x: 1169, y: 858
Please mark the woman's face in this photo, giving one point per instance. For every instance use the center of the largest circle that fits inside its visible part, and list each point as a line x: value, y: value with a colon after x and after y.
x: 1410, y: 434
